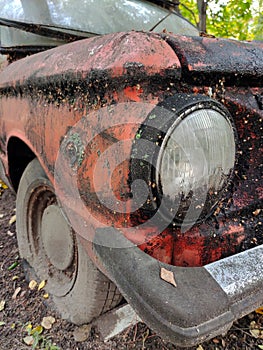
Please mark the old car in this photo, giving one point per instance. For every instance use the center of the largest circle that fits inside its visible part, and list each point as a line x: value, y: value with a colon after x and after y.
x: 135, y: 148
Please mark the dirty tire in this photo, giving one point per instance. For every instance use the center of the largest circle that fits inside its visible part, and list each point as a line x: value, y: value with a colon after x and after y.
x: 52, y: 251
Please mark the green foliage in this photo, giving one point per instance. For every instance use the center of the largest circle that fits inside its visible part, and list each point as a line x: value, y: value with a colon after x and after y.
x: 258, y: 30
x: 231, y: 20
x: 242, y: 20
x: 189, y: 10
x: 258, y: 21
x: 39, y: 341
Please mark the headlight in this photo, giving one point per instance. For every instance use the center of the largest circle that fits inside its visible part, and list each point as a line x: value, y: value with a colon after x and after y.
x: 195, y: 157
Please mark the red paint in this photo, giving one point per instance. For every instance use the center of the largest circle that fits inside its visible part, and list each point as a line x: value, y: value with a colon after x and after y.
x: 198, y: 247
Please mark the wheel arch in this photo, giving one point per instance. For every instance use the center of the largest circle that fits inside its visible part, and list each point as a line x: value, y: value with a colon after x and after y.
x: 19, y: 156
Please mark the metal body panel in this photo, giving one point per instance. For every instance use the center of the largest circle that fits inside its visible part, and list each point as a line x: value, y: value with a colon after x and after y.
x: 72, y: 102
x: 51, y: 91
x: 223, y: 58
x: 237, y: 276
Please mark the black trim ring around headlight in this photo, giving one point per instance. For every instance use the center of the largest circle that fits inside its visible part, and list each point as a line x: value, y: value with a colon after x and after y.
x: 185, y: 153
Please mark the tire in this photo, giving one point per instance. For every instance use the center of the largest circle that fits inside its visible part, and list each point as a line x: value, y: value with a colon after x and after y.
x: 53, y: 252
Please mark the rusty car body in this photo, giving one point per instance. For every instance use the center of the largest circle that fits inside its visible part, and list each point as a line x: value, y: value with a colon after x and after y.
x: 134, y: 152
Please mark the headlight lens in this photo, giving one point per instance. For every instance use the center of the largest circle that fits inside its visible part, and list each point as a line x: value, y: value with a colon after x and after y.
x: 200, y: 151
x: 196, y: 158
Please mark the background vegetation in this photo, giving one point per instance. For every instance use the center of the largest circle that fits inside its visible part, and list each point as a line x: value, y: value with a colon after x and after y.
x: 242, y: 20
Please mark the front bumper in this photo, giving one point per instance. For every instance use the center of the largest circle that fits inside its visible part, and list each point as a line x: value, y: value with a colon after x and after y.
x: 205, y: 301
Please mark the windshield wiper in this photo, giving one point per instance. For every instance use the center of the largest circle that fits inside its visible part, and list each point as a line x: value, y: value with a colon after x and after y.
x: 167, y: 3
x: 161, y: 20
x: 50, y: 31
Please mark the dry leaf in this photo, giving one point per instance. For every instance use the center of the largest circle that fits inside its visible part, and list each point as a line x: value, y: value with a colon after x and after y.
x: 23, y: 294
x: 47, y: 322
x: 3, y: 185
x: 2, y: 323
x: 17, y: 291
x: 12, y: 220
x: 216, y: 341
x: 32, y: 285
x: 36, y: 330
x: 46, y: 296
x: 168, y: 276
x: 2, y: 305
x: 82, y: 333
x: 256, y: 212
x: 260, y: 310
x: 260, y: 346
x: 200, y: 347
x: 255, y: 333
x: 41, y: 285
x: 29, y: 328
x: 29, y: 340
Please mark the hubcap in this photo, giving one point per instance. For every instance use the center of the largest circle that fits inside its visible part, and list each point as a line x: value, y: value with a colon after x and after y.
x: 57, y: 238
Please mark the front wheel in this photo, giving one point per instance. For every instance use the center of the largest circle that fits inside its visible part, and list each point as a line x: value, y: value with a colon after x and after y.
x: 50, y: 247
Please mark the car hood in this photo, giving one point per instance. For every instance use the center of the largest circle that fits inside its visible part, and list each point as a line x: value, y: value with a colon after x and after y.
x: 206, y: 58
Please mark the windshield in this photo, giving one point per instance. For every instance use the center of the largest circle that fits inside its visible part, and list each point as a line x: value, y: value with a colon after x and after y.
x: 84, y: 18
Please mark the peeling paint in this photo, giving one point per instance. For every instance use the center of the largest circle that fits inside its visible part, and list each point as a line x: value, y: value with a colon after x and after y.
x: 42, y: 97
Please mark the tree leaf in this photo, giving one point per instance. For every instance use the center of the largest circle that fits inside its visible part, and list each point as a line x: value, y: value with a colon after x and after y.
x: 28, y: 340
x: 260, y: 310
x: 3, y: 185
x: 12, y: 220
x: 2, y: 305
x: 168, y: 276
x: 17, y: 291
x: 29, y: 328
x: 37, y: 330
x: 256, y: 212
x: 47, y: 322
x: 32, y: 284
x: 82, y: 333
x: 255, y: 333
x: 200, y: 347
x: 41, y: 285
x: 13, y: 266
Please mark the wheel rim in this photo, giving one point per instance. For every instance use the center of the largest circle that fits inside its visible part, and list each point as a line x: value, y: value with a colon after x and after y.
x: 51, y: 241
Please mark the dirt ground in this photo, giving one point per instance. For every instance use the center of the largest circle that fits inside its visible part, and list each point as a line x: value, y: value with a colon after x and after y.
x: 20, y: 306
